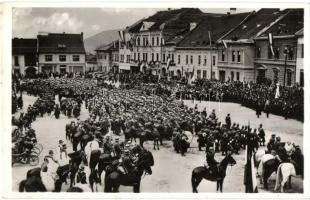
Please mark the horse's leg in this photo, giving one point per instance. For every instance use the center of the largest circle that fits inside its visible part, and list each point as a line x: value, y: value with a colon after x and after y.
x: 157, y: 142
x: 195, y: 182
x: 217, y: 185
x: 221, y: 185
x: 290, y: 182
x: 154, y: 142
x: 136, y: 188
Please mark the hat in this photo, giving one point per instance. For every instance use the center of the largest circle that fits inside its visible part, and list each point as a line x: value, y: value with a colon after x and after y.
x: 60, y: 141
x: 126, y: 151
x: 81, y: 167
x: 51, y: 152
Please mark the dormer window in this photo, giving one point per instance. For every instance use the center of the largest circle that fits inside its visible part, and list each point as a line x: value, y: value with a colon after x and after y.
x: 61, y: 46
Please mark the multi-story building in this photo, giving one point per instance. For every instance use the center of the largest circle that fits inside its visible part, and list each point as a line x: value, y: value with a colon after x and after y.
x: 279, y: 66
x: 24, y: 56
x: 151, y: 47
x: 61, y: 52
x: 107, y: 57
x: 197, y: 52
x: 236, y: 50
x: 300, y: 57
x: 126, y: 64
x: 91, y: 63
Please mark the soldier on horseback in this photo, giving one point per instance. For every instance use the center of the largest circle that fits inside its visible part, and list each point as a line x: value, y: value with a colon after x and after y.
x: 211, y: 164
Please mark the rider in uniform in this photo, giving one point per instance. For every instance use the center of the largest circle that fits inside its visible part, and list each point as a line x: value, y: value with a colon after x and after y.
x: 211, y: 163
x: 128, y: 162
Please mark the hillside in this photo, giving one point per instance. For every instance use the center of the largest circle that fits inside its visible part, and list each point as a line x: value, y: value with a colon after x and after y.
x: 102, y: 38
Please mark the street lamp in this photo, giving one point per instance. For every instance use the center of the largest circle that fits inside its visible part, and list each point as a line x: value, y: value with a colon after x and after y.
x: 285, y: 60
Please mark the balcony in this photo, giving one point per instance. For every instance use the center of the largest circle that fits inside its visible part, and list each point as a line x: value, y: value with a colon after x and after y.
x: 274, y: 61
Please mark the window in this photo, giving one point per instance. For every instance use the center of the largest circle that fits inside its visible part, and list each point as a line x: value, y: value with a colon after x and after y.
x: 198, y: 74
x: 302, y: 50
x: 291, y: 53
x: 171, y: 73
x: 134, y: 56
x: 276, y: 52
x: 157, y: 41
x: 164, y: 57
x: 62, y: 58
x: 269, y: 53
x: 232, y: 74
x: 239, y: 56
x: 213, y: 61
x: 116, y: 57
x: 275, y: 75
x: 199, y: 60
x: 186, y: 61
x: 233, y: 56
x: 205, y: 61
x: 152, y: 41
x: 204, y: 74
x: 258, y: 52
x: 157, y: 56
x: 16, y: 63
x: 172, y: 57
x: 138, y: 41
x: 122, y: 58
x: 238, y: 76
x: 301, y: 78
x: 289, y: 78
x: 76, y: 58
x: 146, y: 42
x: 128, y: 59
x: 152, y: 56
x: 139, y: 56
x: 143, y: 42
x: 191, y: 59
x: 223, y: 55
x: 48, y: 58
x: 179, y: 59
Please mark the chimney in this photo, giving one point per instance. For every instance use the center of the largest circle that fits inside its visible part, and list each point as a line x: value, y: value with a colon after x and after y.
x: 192, y: 25
x: 233, y: 10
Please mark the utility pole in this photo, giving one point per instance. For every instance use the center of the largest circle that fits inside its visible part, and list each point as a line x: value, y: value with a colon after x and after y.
x: 285, y: 64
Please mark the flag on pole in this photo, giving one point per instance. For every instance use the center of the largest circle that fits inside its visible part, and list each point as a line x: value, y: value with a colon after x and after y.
x: 121, y: 35
x: 209, y: 37
x: 270, y: 38
x: 168, y: 63
x: 225, y: 44
x: 277, y: 91
x: 250, y: 172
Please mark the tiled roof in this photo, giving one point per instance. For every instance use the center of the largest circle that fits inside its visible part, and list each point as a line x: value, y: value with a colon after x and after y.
x: 61, y: 43
x: 292, y: 21
x: 218, y: 26
x: 253, y: 24
x: 24, y: 46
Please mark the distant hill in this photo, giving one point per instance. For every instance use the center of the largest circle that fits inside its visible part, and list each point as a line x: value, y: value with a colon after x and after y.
x: 100, y: 39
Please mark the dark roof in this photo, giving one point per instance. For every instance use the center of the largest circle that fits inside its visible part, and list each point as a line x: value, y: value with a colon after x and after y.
x: 172, y: 19
x: 292, y: 21
x: 61, y: 43
x: 218, y: 27
x: 254, y: 24
x: 300, y: 32
x: 24, y: 46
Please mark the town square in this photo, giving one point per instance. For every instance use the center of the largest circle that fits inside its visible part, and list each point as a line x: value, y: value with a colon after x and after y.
x: 180, y: 100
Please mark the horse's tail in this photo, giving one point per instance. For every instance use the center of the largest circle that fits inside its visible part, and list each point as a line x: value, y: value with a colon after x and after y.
x: 194, y: 181
x: 22, y: 186
x: 278, y: 177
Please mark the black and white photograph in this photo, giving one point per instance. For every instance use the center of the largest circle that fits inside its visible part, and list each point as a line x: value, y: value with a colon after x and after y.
x: 157, y: 100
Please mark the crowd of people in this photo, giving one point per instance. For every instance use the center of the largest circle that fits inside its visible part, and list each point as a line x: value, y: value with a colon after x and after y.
x: 146, y: 110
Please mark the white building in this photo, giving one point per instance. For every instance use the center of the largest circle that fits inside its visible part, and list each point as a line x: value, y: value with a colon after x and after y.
x: 61, y: 52
x: 300, y: 58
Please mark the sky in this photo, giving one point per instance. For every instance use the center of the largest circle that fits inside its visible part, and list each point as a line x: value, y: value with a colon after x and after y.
x: 27, y: 22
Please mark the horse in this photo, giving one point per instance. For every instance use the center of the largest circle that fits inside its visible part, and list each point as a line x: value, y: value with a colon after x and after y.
x: 76, y: 158
x: 268, y: 167
x: 49, y: 173
x: 114, y: 179
x: 288, y: 169
x: 258, y: 156
x: 202, y: 172
x: 89, y: 147
x: 33, y: 182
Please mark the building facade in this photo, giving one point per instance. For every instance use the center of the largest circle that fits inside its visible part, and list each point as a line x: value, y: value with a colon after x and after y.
x: 300, y: 58
x: 24, y: 56
x: 279, y: 65
x: 61, y: 52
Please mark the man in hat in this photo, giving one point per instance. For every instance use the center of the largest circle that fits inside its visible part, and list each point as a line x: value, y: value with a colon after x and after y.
x: 261, y: 134
x: 228, y: 121
x: 117, y: 148
x: 271, y: 142
x: 81, y: 175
